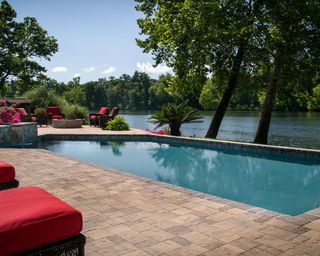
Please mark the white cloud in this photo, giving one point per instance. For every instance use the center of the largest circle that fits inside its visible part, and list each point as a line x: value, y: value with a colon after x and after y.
x: 59, y: 70
x: 109, y: 70
x: 89, y: 69
x: 148, y: 68
x: 76, y: 75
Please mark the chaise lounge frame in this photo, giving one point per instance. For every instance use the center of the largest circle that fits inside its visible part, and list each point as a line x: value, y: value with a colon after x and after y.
x: 72, y: 246
x: 9, y: 184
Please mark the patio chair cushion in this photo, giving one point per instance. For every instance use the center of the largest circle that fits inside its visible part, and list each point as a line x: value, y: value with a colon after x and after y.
x: 104, y: 111
x: 7, y: 172
x: 31, y: 217
x: 93, y: 117
x: 54, y: 111
x: 57, y: 117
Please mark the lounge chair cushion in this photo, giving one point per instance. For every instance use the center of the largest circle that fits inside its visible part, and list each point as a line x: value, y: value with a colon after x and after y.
x: 93, y: 117
x: 53, y: 110
x: 104, y: 111
x: 57, y: 117
x: 7, y: 172
x: 31, y: 217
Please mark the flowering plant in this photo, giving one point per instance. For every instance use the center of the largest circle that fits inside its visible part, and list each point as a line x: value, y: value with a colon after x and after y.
x: 160, y: 132
x: 8, y: 115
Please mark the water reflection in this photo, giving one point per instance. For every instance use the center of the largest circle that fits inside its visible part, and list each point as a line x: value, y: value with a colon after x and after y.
x: 275, y: 185
x: 115, y: 146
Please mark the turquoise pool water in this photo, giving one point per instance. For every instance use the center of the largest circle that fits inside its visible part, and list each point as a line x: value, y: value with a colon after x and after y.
x: 289, y: 187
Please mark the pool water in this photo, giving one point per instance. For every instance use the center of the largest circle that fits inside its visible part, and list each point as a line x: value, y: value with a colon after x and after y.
x: 289, y: 187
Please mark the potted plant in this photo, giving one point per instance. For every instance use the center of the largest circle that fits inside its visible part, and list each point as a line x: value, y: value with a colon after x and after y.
x: 42, y: 116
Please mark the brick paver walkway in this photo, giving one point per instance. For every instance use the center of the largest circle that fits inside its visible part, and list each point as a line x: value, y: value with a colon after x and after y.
x: 128, y: 215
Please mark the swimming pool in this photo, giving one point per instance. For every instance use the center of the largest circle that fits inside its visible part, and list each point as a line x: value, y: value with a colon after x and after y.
x: 287, y: 184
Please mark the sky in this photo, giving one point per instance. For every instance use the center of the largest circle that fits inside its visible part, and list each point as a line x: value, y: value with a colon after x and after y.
x: 96, y: 38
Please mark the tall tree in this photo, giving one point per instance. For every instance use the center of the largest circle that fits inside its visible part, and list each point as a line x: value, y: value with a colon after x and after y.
x: 198, y: 38
x: 292, y: 34
x: 20, y: 44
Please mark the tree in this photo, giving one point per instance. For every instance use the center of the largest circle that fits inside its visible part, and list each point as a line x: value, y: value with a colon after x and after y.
x: 197, y: 38
x: 20, y: 44
x: 292, y: 34
x: 175, y: 115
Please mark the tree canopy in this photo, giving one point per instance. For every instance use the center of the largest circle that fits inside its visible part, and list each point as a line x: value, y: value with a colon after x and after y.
x: 243, y: 47
x: 21, y: 44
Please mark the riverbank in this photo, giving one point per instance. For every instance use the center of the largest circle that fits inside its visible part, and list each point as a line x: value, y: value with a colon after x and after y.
x: 299, y: 129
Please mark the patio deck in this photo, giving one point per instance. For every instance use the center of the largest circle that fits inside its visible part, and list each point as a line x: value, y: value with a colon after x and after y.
x: 129, y: 215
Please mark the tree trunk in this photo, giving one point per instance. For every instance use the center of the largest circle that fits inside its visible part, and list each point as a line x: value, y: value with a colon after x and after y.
x: 175, y: 129
x: 232, y: 84
x: 265, y: 118
x: 2, y: 82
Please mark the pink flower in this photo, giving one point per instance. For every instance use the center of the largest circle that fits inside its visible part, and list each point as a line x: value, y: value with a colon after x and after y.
x: 3, y: 102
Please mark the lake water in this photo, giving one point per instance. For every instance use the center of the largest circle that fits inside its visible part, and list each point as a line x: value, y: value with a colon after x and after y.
x: 287, y: 129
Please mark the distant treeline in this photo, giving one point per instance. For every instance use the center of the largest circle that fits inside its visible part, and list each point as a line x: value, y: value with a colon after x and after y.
x: 140, y: 91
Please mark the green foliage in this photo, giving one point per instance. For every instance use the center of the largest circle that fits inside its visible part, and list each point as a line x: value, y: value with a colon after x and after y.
x: 40, y: 112
x: 174, y: 116
x: 20, y: 44
x: 210, y: 96
x: 42, y: 97
x: 73, y: 111
x: 119, y: 123
x: 75, y: 95
x: 41, y: 115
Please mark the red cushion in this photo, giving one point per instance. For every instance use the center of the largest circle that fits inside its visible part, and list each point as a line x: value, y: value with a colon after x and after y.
x: 104, y: 111
x: 57, y: 117
x: 31, y: 217
x: 54, y: 111
x: 7, y: 172
x: 93, y: 118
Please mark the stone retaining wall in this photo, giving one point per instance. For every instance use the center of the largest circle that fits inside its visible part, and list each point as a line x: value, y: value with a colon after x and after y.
x: 18, y: 133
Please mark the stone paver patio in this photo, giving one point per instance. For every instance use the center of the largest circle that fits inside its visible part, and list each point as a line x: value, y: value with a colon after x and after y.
x: 128, y: 215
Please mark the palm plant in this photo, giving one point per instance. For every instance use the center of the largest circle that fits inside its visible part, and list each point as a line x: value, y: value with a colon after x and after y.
x: 174, y: 116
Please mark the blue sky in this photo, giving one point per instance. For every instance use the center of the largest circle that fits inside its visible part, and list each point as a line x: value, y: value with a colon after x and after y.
x: 96, y: 37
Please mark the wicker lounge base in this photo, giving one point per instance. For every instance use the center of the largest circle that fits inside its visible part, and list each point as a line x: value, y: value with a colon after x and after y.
x: 10, y: 184
x: 73, y: 246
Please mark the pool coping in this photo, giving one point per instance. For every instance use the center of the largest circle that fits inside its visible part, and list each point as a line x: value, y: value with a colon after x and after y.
x: 308, y: 153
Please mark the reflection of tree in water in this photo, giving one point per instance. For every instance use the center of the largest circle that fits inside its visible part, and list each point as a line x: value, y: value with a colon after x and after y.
x: 274, y: 185
x: 115, y: 146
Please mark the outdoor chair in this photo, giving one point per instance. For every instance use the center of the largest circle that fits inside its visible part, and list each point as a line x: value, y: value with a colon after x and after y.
x: 94, y: 117
x: 7, y: 176
x: 34, y: 222
x: 54, y: 113
x: 103, y: 119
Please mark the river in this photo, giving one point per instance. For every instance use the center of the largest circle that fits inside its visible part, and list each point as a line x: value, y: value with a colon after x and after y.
x: 286, y: 129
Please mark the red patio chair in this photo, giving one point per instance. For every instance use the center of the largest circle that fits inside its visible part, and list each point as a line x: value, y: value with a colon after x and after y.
x: 54, y: 113
x: 34, y: 222
x: 7, y: 176
x: 103, y: 119
x: 94, y: 117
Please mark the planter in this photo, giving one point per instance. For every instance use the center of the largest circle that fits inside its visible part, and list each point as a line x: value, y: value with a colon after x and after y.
x: 64, y: 123
x: 18, y: 133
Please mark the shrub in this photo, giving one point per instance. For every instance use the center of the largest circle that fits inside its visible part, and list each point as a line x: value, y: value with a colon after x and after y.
x: 174, y: 116
x: 42, y: 97
x: 42, y: 116
x: 40, y: 112
x: 74, y: 111
x: 119, y: 123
